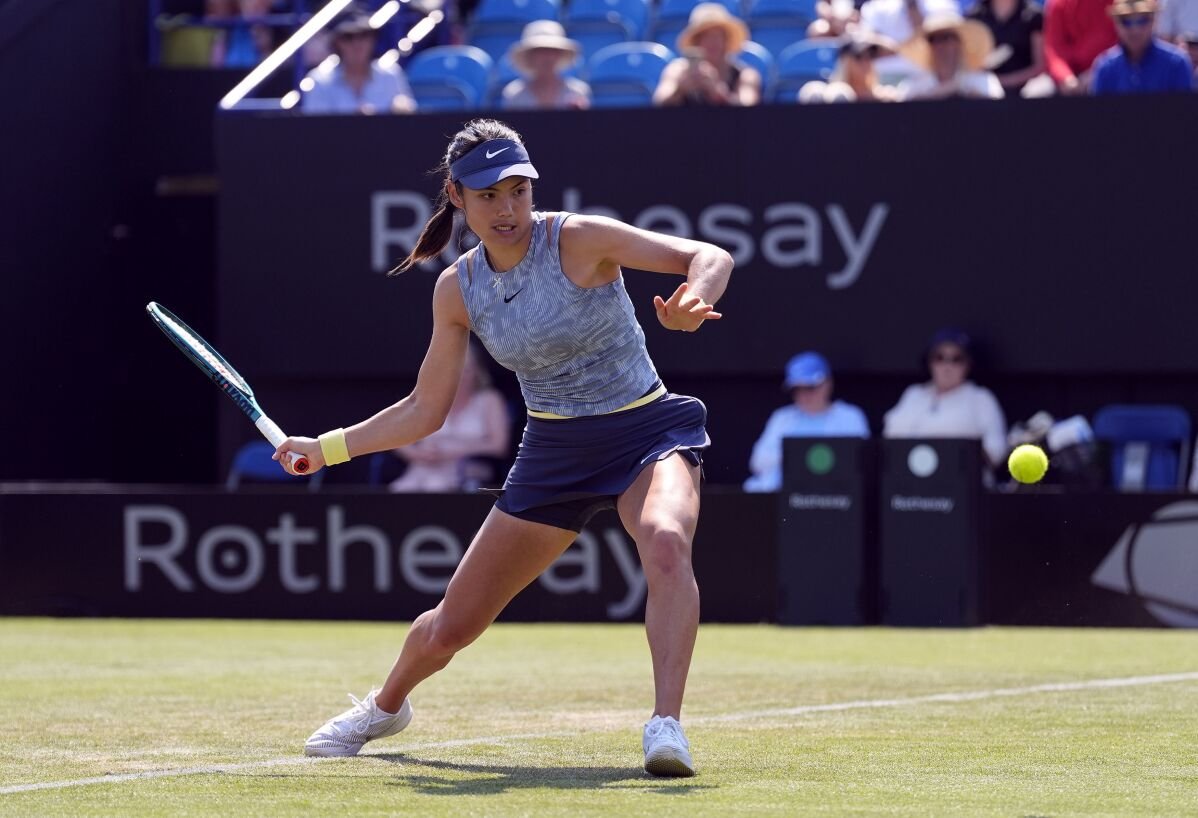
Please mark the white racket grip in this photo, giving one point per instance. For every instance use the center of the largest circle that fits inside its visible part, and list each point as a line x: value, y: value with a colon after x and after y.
x: 272, y: 432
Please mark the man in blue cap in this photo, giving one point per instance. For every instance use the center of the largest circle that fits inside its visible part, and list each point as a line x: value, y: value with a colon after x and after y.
x: 812, y: 413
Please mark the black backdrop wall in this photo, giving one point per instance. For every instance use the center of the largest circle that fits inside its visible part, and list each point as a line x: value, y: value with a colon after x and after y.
x: 857, y: 230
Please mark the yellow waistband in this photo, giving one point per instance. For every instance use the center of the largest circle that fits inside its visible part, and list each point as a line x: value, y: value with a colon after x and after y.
x: 641, y: 401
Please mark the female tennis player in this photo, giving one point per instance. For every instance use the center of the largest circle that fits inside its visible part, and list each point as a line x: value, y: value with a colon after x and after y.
x: 544, y: 293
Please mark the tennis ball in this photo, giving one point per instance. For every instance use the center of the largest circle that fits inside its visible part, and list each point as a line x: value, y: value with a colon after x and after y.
x: 1027, y: 463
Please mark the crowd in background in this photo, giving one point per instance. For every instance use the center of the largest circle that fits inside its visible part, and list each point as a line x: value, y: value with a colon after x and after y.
x: 881, y: 50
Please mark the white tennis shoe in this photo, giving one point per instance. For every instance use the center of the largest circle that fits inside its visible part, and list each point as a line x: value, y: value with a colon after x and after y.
x: 667, y: 752
x: 344, y: 735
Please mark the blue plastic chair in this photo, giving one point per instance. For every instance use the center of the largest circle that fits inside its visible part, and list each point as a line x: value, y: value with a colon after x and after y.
x: 626, y: 75
x: 253, y: 464
x: 801, y: 63
x: 626, y: 19
x: 758, y: 57
x: 498, y: 23
x: 1149, y: 445
x: 777, y: 36
x: 449, y: 78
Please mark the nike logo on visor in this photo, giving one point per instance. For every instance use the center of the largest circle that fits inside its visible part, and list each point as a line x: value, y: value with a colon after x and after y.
x: 496, y: 153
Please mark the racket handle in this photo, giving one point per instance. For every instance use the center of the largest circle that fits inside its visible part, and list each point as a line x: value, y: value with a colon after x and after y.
x: 271, y: 431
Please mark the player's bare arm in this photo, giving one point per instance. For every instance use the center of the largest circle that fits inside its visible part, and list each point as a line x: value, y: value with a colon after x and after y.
x: 424, y: 410
x: 595, y: 248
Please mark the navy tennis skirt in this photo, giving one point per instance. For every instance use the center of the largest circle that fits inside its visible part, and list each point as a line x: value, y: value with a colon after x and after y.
x: 567, y: 470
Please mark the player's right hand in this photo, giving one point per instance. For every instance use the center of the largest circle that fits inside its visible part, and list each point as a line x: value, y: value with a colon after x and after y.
x: 309, y: 447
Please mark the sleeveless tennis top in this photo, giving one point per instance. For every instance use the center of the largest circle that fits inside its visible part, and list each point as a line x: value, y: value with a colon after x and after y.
x: 576, y: 351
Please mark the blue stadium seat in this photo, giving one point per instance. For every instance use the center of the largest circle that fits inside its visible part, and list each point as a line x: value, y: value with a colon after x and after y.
x: 776, y: 37
x: 756, y: 56
x: 449, y: 78
x: 625, y: 75
x: 672, y: 16
x: 498, y: 23
x: 502, y: 73
x: 1149, y: 445
x: 777, y: 24
x: 600, y: 23
x: 253, y: 464
x: 801, y: 63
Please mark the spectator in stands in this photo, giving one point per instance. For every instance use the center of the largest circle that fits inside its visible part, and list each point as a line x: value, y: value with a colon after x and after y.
x: 1175, y: 20
x: 1075, y: 33
x: 243, y: 44
x: 855, y: 78
x: 1018, y: 29
x: 1189, y: 42
x: 833, y: 18
x: 953, y: 53
x: 541, y: 55
x: 811, y: 413
x: 1141, y: 63
x: 950, y: 405
x: 708, y: 73
x: 355, y: 83
x: 477, y: 426
x: 900, y: 21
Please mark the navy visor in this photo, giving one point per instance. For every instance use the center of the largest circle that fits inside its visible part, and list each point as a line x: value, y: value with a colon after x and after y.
x: 491, y: 161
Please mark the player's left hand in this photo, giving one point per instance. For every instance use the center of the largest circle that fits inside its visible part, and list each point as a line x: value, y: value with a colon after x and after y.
x: 683, y: 311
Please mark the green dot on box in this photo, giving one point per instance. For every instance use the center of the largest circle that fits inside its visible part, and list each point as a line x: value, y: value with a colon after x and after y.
x: 820, y: 459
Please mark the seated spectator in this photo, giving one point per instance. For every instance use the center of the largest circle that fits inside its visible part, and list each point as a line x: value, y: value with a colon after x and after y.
x: 1075, y: 33
x: 477, y: 426
x: 950, y: 405
x: 1189, y: 42
x: 855, y: 79
x: 244, y: 44
x: 900, y: 21
x: 952, y: 52
x: 1141, y: 63
x: 542, y: 54
x: 1175, y: 20
x: 356, y: 83
x: 833, y: 19
x: 708, y: 73
x: 1018, y: 30
x: 811, y: 413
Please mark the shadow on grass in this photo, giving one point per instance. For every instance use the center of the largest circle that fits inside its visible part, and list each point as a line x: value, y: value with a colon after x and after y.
x: 492, y: 779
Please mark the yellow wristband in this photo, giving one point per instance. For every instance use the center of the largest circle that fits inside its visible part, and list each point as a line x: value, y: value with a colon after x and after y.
x: 332, y: 446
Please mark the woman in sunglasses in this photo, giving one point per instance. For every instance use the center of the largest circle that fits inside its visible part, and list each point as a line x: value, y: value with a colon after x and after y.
x: 949, y: 404
x: 1141, y: 63
x: 855, y: 79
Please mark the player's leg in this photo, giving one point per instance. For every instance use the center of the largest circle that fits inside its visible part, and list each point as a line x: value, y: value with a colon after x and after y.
x: 660, y: 511
x: 506, y: 555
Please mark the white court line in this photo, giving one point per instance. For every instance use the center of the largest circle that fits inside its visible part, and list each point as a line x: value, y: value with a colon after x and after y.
x: 864, y: 704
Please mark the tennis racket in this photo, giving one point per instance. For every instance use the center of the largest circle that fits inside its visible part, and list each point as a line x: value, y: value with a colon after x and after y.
x: 210, y: 362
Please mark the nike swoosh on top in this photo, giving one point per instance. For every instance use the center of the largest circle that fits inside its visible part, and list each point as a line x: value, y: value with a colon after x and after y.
x: 501, y: 150
x: 508, y: 299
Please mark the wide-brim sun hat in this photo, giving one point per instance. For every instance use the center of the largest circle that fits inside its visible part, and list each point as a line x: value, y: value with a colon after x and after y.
x: 546, y: 34
x: 1132, y: 8
x: 862, y: 40
x: 707, y: 16
x: 977, y: 43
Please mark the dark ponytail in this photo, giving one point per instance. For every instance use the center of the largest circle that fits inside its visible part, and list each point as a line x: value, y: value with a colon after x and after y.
x: 438, y: 230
